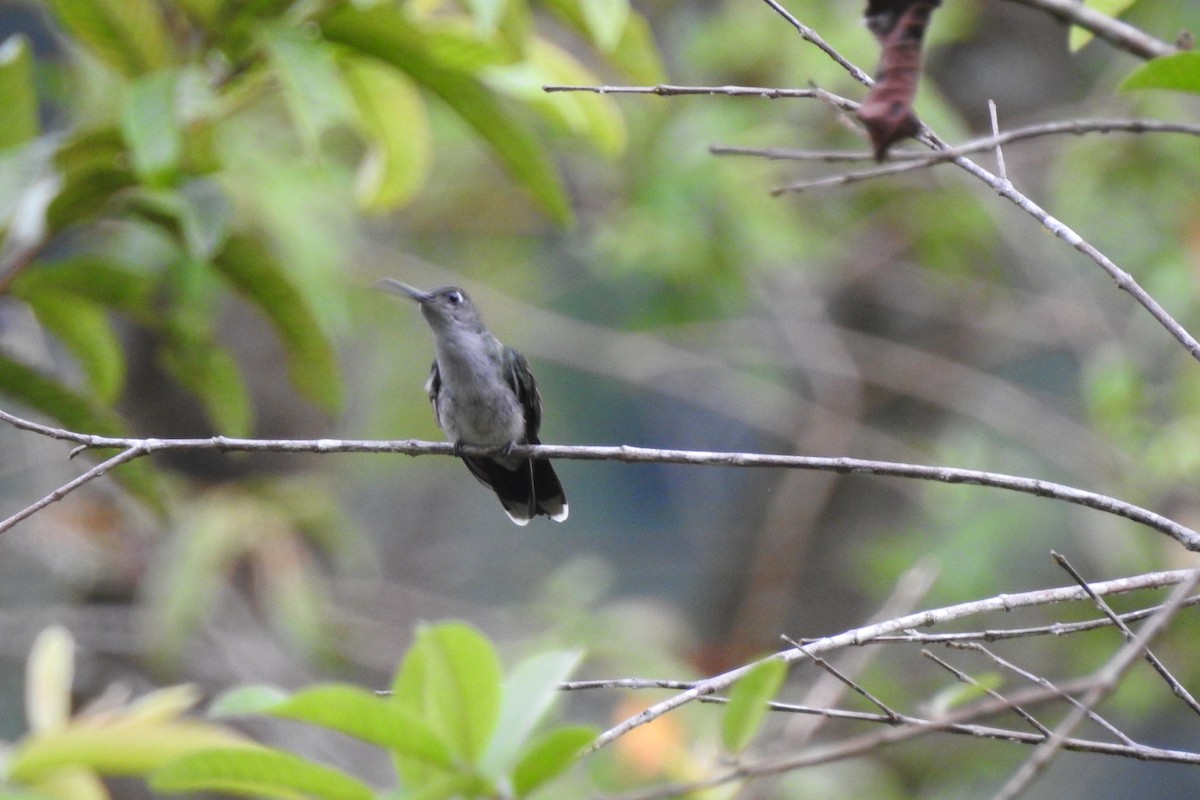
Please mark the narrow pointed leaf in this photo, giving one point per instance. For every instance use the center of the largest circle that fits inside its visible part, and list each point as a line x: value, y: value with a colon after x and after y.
x: 151, y: 127
x: 384, y: 32
x: 130, y: 35
x: 254, y: 272
x: 550, y: 756
x: 116, y: 747
x: 312, y: 87
x: 83, y: 329
x: 1179, y: 72
x: 258, y: 773
x: 209, y: 371
x: 634, y: 54
x: 95, y: 279
x: 93, y: 166
x: 17, y: 97
x: 253, y: 699
x: 528, y: 694
x: 377, y: 720
x: 49, y: 676
x: 391, y: 113
x: 748, y: 703
x: 606, y: 20
x: 593, y: 116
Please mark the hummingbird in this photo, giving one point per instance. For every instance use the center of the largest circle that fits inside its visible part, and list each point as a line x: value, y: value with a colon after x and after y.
x: 484, y: 394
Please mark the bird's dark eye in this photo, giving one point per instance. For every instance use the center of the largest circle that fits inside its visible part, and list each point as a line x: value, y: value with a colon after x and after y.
x: 455, y: 298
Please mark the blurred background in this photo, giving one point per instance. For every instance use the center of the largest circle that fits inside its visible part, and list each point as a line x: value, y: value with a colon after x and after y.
x: 197, y: 200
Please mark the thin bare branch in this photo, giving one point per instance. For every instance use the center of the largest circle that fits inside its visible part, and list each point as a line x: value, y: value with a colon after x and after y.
x: 812, y: 36
x: 129, y: 454
x: 1004, y: 602
x: 1106, y: 681
x: 1000, y: 168
x: 923, y: 159
x: 854, y: 686
x: 1125, y: 282
x: 1045, y: 684
x: 1114, y: 31
x: 669, y: 90
x: 1177, y: 688
x: 1187, y: 537
x: 963, y: 677
x: 911, y: 729
x: 997, y: 634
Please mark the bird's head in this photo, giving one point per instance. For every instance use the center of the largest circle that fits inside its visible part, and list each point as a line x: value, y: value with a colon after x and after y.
x: 444, y: 308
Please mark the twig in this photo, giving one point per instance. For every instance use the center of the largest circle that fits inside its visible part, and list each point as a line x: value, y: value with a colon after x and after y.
x: 854, y: 686
x: 1177, y: 688
x: 1125, y: 282
x: 134, y: 451
x: 1004, y: 602
x: 1073, y: 127
x: 812, y: 36
x: 911, y: 729
x: 1113, y: 31
x: 1000, y: 168
x: 669, y: 90
x: 1106, y: 681
x: 963, y: 677
x: 1187, y: 537
x: 1045, y: 684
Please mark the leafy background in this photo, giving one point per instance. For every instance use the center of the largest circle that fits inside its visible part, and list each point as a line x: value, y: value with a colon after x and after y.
x: 196, y: 195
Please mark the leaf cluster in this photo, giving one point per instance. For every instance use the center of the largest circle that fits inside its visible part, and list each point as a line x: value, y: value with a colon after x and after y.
x: 132, y: 216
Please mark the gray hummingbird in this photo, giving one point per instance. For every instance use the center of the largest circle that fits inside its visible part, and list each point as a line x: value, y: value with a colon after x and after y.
x: 484, y: 394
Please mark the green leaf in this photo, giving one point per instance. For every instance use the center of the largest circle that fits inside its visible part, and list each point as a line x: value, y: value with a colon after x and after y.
x: 83, y: 328
x: 550, y: 756
x: 635, y: 54
x: 113, y: 746
x: 93, y: 278
x: 209, y: 372
x: 451, y: 676
x: 253, y: 699
x: 93, y: 167
x: 748, y: 703
x: 257, y: 773
x: 595, y: 116
x: 392, y: 116
x: 528, y: 694
x: 73, y: 411
x: 960, y: 694
x: 130, y: 35
x: 198, y: 214
x: 1178, y: 71
x: 49, y: 676
x: 385, y: 33
x: 606, y: 21
x: 17, y: 97
x: 254, y: 272
x: 487, y: 15
x: 151, y: 127
x: 1113, y: 8
x: 377, y: 720
x: 312, y: 87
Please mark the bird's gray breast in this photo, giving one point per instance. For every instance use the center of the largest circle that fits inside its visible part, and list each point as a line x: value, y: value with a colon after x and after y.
x: 475, y: 403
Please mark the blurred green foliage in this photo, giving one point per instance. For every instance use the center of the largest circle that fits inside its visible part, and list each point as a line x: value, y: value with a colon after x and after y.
x: 452, y: 725
x: 191, y: 79
x: 170, y: 161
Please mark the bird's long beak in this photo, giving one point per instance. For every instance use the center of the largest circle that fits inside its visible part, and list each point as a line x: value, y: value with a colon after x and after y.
x: 396, y: 287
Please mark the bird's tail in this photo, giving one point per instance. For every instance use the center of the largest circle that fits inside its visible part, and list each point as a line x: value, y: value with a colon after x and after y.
x: 528, y: 489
